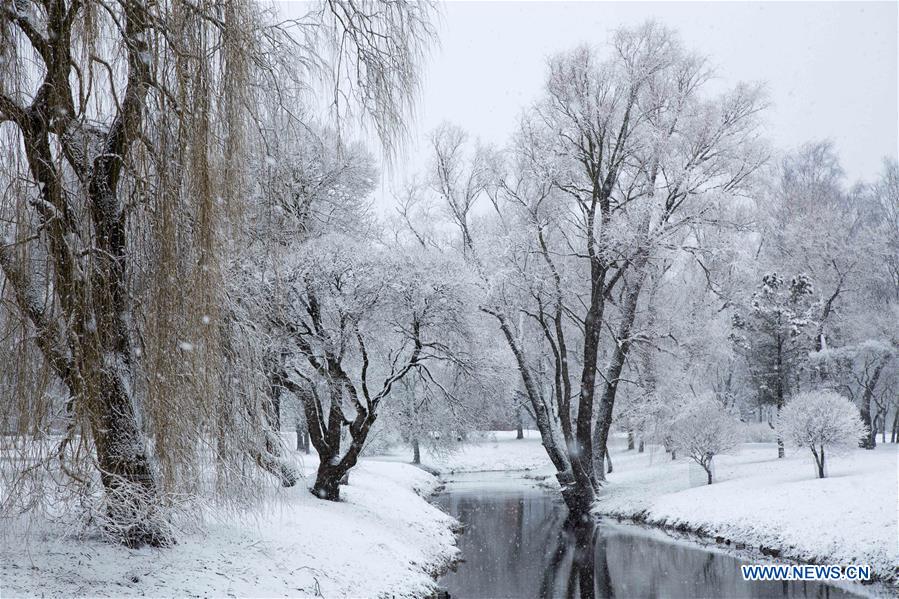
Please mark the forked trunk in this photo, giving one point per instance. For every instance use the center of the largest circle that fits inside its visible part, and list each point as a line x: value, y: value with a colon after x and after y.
x: 819, y: 460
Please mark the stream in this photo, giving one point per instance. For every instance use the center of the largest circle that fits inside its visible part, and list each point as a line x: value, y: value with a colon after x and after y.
x: 516, y: 544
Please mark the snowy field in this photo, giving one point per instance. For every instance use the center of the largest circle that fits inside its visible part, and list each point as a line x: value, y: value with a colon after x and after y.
x: 383, y: 539
x: 849, y: 517
x: 496, y: 451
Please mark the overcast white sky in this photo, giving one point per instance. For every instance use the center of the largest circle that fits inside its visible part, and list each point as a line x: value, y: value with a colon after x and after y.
x: 830, y: 67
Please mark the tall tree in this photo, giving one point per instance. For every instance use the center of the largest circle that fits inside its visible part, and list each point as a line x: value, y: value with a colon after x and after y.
x: 609, y: 171
x: 89, y: 123
x: 772, y: 333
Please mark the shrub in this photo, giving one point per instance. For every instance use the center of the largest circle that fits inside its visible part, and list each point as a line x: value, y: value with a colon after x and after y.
x: 821, y: 420
x: 703, y: 429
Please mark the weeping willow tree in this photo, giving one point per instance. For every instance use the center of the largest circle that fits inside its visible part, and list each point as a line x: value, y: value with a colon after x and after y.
x: 128, y: 374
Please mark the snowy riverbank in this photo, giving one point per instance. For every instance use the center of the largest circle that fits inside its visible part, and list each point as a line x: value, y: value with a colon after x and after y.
x: 756, y: 500
x: 384, y: 538
x: 760, y: 501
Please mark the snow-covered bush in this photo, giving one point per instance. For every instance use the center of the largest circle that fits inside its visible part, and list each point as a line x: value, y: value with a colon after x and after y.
x: 703, y: 429
x: 757, y: 432
x: 819, y: 420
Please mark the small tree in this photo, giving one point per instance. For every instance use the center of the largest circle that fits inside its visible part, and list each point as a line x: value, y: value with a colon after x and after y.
x: 703, y: 429
x: 819, y: 419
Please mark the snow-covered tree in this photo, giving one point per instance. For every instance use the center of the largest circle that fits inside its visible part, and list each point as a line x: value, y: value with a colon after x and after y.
x: 821, y: 420
x: 97, y: 188
x: 772, y: 333
x: 609, y: 173
x: 359, y: 320
x: 439, y: 413
x: 844, y: 240
x: 127, y: 131
x: 458, y: 178
x: 607, y: 176
x: 859, y: 371
x: 703, y: 429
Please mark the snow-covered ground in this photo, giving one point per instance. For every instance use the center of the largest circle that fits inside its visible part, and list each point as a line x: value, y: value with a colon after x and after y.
x: 758, y: 500
x: 383, y: 539
x: 496, y: 451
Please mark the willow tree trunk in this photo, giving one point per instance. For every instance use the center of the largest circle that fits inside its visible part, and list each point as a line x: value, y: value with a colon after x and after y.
x: 584, y: 429
x: 125, y: 469
x: 101, y: 382
x: 84, y: 232
x: 333, y: 469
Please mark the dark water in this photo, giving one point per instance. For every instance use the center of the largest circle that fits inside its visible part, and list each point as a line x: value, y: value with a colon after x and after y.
x: 516, y: 544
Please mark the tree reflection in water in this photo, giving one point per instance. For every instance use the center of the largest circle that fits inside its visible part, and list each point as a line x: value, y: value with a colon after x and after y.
x: 517, y: 543
x: 577, y: 567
